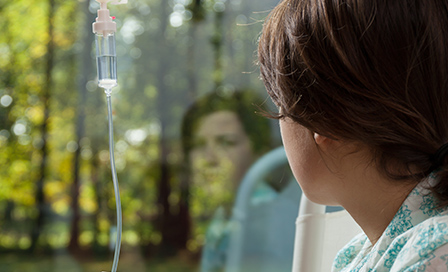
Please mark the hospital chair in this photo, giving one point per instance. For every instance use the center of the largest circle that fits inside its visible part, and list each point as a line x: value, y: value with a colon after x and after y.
x: 262, y: 236
x: 317, y: 229
x: 319, y: 236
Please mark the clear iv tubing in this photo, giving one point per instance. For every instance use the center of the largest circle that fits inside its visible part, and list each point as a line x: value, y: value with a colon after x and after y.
x: 115, y: 181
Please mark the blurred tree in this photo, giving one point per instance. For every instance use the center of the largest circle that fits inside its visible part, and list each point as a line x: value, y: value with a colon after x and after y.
x: 198, y: 11
x: 45, y: 97
x: 164, y: 216
x: 198, y: 15
x: 217, y: 42
x: 85, y: 73
x: 8, y: 78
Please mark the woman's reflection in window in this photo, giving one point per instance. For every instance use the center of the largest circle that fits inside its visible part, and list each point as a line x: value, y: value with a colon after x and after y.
x: 222, y: 136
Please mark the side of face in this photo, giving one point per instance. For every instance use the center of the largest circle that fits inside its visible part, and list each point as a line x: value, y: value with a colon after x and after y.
x: 317, y: 162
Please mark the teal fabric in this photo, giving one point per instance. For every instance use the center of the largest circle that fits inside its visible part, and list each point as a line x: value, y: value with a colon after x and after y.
x: 415, y: 240
x: 268, y: 241
x: 217, y: 241
x: 214, y: 252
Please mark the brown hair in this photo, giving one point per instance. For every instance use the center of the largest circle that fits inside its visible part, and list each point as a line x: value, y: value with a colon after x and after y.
x: 369, y: 71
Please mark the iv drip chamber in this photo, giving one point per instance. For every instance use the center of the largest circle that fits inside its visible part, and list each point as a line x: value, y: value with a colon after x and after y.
x: 106, y: 59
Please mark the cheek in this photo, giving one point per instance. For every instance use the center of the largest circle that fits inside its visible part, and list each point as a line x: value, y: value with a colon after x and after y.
x: 303, y: 155
x: 242, y: 158
x: 197, y: 158
x: 240, y: 153
x: 307, y: 164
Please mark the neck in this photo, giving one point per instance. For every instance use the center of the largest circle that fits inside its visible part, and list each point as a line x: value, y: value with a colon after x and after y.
x: 374, y: 201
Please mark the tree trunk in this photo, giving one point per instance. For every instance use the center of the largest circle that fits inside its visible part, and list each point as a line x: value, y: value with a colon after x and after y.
x: 191, y: 70
x: 217, y: 44
x: 163, y: 187
x: 86, y: 72
x: 164, y: 221
x: 183, y: 220
x: 46, y: 93
x: 9, y: 80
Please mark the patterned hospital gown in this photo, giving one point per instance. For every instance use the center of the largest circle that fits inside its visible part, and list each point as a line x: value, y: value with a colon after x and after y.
x: 415, y: 240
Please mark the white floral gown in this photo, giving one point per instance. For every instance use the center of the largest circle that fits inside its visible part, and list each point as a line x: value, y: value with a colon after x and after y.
x: 415, y: 240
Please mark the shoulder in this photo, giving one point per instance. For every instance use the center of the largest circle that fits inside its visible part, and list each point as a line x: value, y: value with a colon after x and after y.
x: 422, y: 248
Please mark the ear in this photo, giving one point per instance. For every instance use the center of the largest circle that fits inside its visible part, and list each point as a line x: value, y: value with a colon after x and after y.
x: 323, y: 142
x: 319, y: 139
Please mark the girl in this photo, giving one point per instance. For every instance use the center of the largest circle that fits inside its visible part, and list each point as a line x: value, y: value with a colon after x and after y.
x: 362, y: 92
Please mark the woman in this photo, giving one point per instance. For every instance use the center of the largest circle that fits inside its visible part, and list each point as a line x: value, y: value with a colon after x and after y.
x: 362, y: 92
x: 222, y: 136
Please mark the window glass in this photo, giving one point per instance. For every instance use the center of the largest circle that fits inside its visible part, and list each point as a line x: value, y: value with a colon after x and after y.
x: 188, y: 125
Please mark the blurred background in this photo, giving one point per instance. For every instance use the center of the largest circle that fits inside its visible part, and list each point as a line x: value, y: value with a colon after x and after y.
x: 57, y: 206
